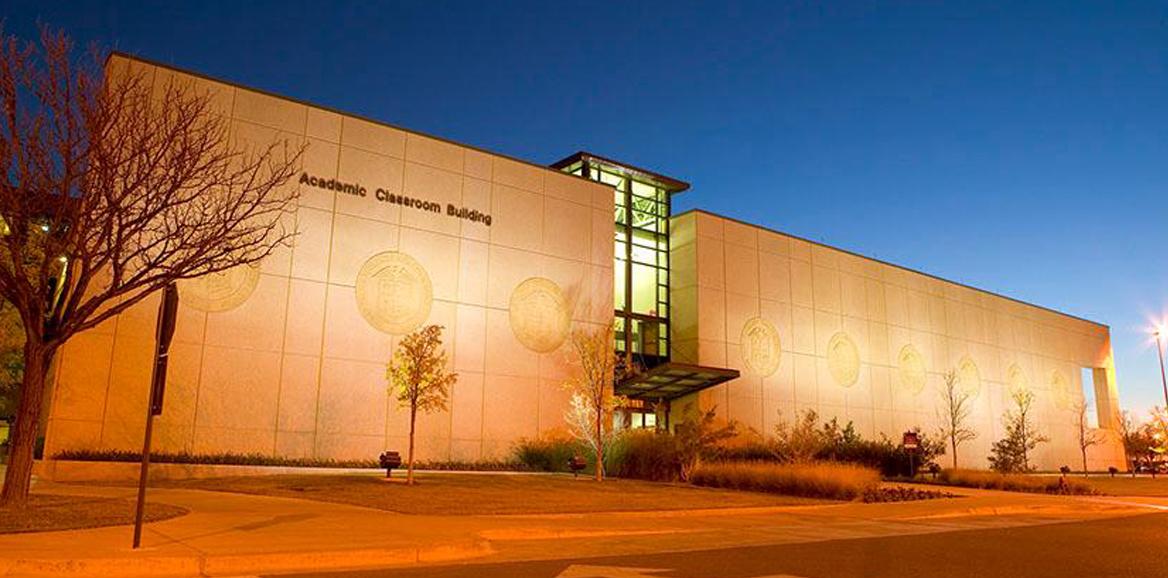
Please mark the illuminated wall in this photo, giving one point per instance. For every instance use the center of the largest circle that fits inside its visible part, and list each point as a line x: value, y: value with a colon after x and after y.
x: 814, y: 328
x: 289, y: 359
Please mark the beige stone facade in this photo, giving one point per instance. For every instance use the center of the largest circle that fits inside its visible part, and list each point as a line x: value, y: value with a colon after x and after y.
x: 289, y: 359
x: 397, y: 229
x: 815, y: 328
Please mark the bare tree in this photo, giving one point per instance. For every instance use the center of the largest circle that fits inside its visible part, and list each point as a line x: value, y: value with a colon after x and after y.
x: 418, y: 374
x: 113, y: 186
x: 11, y: 360
x: 1085, y: 435
x: 954, y: 412
x: 594, y: 401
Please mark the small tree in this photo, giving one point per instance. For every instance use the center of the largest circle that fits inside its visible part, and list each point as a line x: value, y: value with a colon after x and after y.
x: 697, y: 437
x: 954, y: 412
x: 1012, y: 453
x: 1156, y: 433
x: 594, y: 401
x: 1135, y: 442
x: 114, y: 185
x: 801, y: 441
x: 418, y: 375
x: 1085, y: 435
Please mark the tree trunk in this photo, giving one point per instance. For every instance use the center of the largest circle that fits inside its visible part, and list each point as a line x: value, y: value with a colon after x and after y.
x: 953, y: 441
x: 1084, y: 448
x: 599, y: 446
x: 410, y: 467
x: 20, y: 449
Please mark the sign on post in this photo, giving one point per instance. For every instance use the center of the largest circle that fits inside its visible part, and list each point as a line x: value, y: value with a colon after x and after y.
x: 911, y: 440
x: 164, y: 331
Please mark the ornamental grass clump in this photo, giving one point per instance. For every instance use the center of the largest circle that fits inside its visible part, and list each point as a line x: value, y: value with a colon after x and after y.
x: 809, y: 479
x: 1015, y: 483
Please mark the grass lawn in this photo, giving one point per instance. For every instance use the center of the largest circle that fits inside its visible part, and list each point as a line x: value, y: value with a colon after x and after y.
x: 1122, y: 485
x: 53, y: 512
x: 476, y: 494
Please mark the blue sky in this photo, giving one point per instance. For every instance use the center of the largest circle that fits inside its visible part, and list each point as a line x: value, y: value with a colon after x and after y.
x: 1019, y: 147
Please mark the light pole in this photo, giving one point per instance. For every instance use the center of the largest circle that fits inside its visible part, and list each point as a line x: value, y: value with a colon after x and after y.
x: 1163, y: 380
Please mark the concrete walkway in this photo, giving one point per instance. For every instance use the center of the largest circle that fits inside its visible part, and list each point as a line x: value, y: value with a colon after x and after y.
x: 232, y: 534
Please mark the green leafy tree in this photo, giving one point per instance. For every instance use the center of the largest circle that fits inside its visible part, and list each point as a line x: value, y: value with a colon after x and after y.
x: 418, y: 376
x: 593, y: 398
x: 954, y: 413
x: 1136, y: 441
x: 1012, y: 453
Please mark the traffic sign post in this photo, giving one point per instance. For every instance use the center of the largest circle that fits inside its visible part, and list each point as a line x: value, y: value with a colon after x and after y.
x: 167, y: 311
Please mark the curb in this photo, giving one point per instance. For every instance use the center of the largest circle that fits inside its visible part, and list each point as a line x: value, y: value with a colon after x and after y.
x: 228, y: 565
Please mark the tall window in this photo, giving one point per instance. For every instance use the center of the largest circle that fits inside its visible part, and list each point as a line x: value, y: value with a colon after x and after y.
x: 641, y: 269
x: 1087, y: 377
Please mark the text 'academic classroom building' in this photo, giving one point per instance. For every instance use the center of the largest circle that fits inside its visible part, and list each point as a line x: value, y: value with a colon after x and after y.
x: 397, y: 229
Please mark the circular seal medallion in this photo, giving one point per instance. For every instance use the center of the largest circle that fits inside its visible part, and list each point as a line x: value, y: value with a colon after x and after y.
x: 220, y: 291
x: 394, y: 293
x: 1016, y: 381
x: 843, y: 358
x: 1060, y: 389
x: 761, y: 348
x: 539, y: 315
x: 969, y: 377
x: 912, y: 369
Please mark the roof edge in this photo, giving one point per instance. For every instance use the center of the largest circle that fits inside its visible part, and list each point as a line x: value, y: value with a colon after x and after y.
x: 901, y: 267
x: 673, y: 185
x: 301, y: 101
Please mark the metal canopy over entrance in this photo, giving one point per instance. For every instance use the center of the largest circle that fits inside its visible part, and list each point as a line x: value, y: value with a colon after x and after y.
x: 671, y: 380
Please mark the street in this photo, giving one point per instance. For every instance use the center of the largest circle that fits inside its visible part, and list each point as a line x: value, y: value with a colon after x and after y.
x: 1124, y: 546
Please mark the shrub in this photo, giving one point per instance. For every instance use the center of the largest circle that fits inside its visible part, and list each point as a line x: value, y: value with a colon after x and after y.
x: 902, y: 494
x: 548, y: 454
x: 801, y: 441
x: 813, y: 480
x: 231, y: 459
x: 1014, y: 483
x: 808, y: 440
x: 657, y: 455
x: 646, y: 455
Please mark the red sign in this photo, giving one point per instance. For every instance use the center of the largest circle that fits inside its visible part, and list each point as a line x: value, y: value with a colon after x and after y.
x: 911, y: 440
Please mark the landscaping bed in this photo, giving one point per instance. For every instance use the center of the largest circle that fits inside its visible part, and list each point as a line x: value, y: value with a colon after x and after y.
x: 46, y: 513
x: 1058, y: 485
x: 1125, y: 485
x: 461, y: 494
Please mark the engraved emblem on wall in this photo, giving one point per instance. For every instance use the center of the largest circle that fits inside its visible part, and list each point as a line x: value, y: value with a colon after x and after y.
x: 968, y: 377
x: 912, y: 369
x: 1016, y: 381
x: 1060, y: 389
x: 761, y: 348
x: 221, y: 291
x: 394, y: 293
x: 539, y: 313
x: 843, y: 359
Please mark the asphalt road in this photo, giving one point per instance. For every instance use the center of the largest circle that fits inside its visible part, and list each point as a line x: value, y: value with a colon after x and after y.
x: 1135, y: 546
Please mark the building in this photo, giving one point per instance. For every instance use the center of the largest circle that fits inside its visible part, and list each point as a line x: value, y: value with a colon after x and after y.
x: 398, y: 229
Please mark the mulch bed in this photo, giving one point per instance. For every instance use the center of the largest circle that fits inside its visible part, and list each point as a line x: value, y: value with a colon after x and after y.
x: 51, y: 512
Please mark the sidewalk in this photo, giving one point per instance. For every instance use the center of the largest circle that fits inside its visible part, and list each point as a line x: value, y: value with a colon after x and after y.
x: 231, y: 534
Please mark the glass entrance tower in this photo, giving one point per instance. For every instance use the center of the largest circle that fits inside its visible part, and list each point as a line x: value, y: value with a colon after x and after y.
x: 641, y: 317
x: 641, y: 205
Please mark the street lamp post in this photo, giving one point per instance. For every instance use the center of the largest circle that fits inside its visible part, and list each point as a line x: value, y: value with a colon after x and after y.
x: 1163, y: 380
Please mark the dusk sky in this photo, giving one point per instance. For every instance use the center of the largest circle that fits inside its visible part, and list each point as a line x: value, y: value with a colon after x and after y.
x: 1019, y: 147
